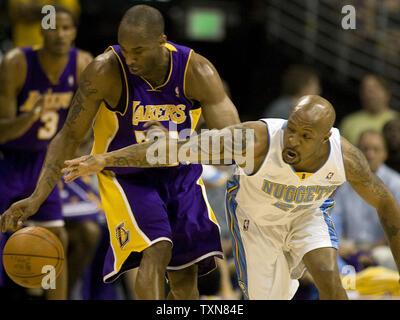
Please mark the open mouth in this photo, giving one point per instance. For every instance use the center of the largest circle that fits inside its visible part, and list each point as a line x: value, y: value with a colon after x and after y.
x: 289, y: 155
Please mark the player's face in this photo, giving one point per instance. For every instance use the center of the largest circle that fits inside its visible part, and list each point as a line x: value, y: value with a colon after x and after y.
x: 373, y: 95
x: 372, y: 145
x: 301, y: 141
x: 142, y: 52
x: 60, y: 39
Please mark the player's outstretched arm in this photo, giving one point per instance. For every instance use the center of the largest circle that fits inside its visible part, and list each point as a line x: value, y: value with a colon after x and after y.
x: 82, y: 111
x: 12, y: 76
x: 244, y: 144
x: 374, y: 191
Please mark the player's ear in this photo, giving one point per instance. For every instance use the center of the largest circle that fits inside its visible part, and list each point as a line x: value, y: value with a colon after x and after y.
x: 74, y: 34
x: 162, y: 40
x: 327, y: 136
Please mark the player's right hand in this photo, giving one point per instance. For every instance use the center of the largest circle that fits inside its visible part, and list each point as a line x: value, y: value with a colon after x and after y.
x: 17, y: 214
x: 83, y: 166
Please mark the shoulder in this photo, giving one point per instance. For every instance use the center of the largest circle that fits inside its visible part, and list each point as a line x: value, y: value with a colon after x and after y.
x: 103, y: 67
x: 355, y: 163
x: 15, y: 58
x: 261, y: 133
x: 393, y: 113
x: 257, y: 129
x: 83, y: 59
x: 102, y: 75
x: 200, y: 66
x: 14, y: 66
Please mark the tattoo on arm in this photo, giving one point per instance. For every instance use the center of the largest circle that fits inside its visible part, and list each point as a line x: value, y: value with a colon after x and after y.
x: 374, y: 191
x: 84, y: 91
x: 390, y: 229
x: 54, y: 173
x: 358, y: 172
x: 121, y: 162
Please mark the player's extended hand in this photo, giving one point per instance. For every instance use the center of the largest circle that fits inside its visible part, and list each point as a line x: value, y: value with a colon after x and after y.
x: 83, y: 166
x: 155, y: 127
x: 16, y: 215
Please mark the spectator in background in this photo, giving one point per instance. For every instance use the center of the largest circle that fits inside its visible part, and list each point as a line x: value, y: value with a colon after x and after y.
x: 26, y: 17
x: 376, y: 111
x: 391, y: 133
x: 297, y: 81
x: 363, y: 241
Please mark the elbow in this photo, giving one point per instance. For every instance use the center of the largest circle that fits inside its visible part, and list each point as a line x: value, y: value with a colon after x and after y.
x: 387, y: 204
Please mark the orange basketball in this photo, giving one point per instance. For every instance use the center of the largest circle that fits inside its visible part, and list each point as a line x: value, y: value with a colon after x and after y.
x: 30, y: 254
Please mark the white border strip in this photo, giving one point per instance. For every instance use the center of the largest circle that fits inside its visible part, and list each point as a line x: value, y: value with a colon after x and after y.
x: 210, y: 254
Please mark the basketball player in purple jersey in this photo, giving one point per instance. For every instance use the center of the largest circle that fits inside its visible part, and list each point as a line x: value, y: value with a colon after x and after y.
x: 36, y: 88
x: 159, y: 219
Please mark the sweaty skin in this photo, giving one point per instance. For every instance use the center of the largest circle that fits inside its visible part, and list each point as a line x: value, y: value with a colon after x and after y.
x: 101, y: 81
x: 307, y: 133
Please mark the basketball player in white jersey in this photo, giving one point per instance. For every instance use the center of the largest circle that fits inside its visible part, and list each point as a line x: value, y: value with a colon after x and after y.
x: 278, y: 212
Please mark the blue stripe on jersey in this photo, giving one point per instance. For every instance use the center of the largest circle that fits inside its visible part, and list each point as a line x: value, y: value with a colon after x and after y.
x: 237, y: 243
x: 326, y: 206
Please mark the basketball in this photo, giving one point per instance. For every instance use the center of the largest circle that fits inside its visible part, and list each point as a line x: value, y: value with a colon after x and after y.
x: 30, y: 254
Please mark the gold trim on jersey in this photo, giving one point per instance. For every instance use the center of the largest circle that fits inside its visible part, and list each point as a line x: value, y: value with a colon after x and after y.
x: 195, y: 116
x: 126, y: 80
x: 303, y: 175
x: 211, y: 214
x: 184, y: 75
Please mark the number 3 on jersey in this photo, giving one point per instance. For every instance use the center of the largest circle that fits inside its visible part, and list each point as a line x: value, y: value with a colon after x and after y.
x: 50, y: 121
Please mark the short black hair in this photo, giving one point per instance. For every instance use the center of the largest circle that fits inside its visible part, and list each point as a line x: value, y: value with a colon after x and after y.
x: 383, y: 81
x: 60, y: 9
x: 144, y: 16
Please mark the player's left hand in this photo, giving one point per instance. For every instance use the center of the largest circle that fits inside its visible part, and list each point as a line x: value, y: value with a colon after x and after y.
x: 83, y: 166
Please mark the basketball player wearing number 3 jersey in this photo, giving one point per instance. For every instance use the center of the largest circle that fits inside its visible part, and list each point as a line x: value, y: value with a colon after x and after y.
x: 277, y: 209
x: 159, y: 219
x: 36, y: 90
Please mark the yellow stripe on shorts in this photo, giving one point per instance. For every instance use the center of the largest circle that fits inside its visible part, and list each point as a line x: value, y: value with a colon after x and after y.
x: 119, y: 215
x: 211, y: 214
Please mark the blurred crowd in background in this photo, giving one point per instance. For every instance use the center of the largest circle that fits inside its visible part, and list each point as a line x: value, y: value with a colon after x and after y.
x: 269, y: 53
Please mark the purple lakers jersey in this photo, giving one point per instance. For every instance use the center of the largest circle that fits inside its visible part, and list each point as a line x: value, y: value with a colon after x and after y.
x: 56, y: 100
x: 121, y: 126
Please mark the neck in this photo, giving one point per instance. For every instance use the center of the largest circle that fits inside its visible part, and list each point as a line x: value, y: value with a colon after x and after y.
x: 47, y: 55
x: 377, y: 111
x: 160, y: 73
x: 52, y: 64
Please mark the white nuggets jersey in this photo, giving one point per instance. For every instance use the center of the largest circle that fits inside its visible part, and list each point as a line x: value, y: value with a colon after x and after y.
x: 276, y: 194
